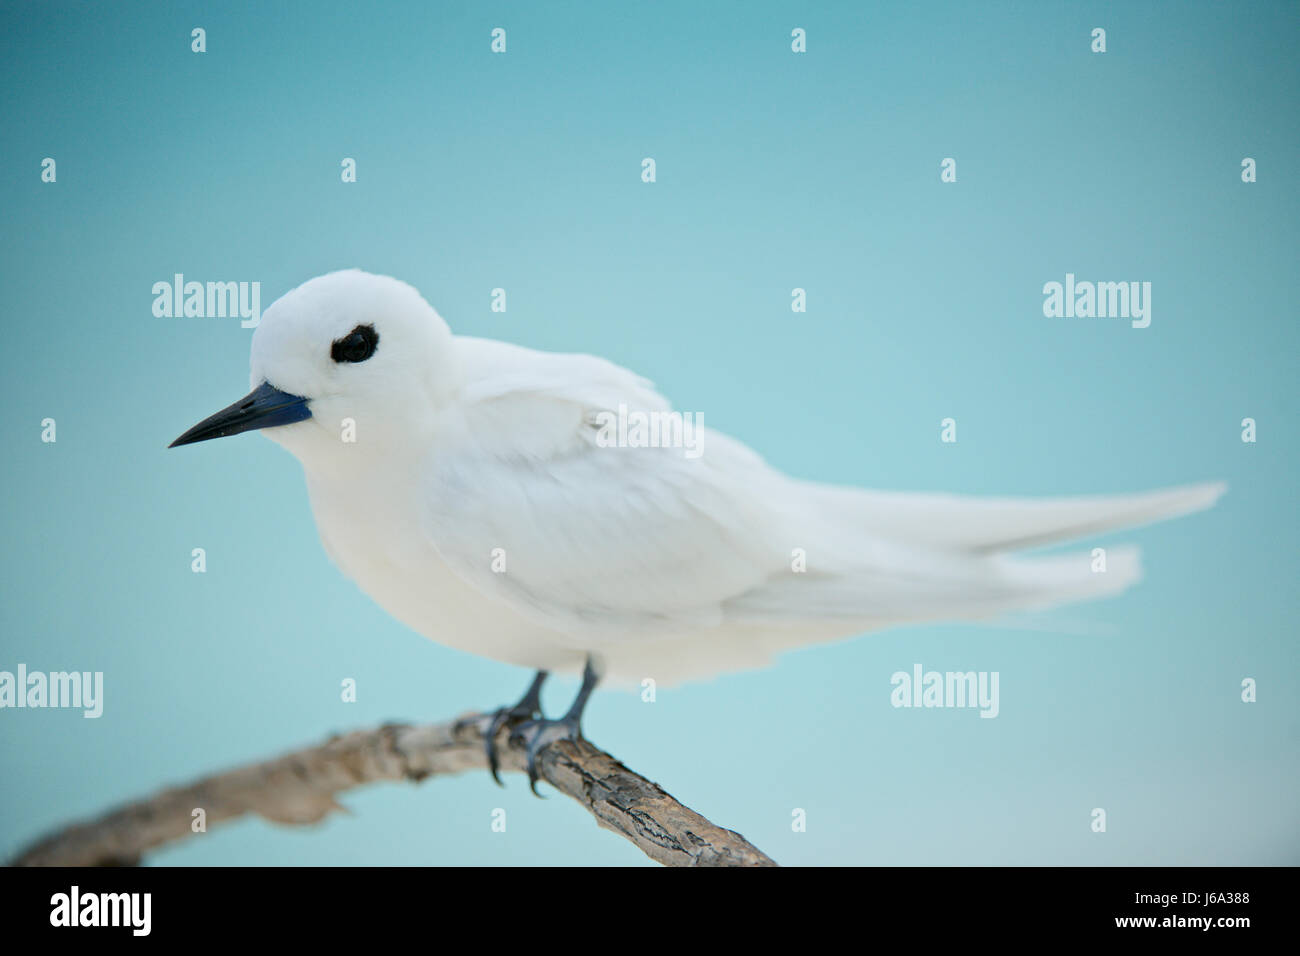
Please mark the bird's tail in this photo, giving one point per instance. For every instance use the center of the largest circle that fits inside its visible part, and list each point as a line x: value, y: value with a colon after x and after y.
x: 991, y: 525
x: 1045, y: 582
x: 881, y: 558
x: 891, y: 558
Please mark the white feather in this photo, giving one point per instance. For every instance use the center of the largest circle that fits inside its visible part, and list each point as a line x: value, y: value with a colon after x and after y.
x: 478, y: 507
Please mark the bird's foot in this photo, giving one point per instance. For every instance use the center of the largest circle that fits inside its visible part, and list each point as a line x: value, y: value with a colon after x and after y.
x: 527, y: 709
x: 539, y: 733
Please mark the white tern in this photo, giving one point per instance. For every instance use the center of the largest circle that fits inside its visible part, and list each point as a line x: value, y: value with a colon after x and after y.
x: 478, y: 492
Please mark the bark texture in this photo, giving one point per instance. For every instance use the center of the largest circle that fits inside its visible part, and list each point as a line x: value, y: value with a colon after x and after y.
x: 301, y: 788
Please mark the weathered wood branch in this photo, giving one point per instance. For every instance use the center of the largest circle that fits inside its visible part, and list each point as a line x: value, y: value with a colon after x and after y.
x: 300, y: 788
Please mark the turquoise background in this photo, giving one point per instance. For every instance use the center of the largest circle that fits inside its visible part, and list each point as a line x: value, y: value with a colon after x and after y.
x: 775, y: 170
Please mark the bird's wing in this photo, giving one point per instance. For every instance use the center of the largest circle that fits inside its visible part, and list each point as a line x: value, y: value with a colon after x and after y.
x: 526, y: 505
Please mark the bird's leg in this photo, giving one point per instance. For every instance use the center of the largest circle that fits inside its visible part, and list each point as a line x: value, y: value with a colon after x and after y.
x: 540, y: 732
x: 528, y: 708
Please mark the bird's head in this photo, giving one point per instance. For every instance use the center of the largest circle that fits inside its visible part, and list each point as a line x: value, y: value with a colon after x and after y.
x: 347, y: 358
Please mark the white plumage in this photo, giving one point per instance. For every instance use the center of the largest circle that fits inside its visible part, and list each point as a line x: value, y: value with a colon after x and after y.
x: 469, y: 453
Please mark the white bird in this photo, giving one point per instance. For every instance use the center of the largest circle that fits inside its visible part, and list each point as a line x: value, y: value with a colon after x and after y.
x: 464, y: 484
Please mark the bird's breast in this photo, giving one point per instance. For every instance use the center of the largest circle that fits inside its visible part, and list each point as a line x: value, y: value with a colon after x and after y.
x: 380, y: 540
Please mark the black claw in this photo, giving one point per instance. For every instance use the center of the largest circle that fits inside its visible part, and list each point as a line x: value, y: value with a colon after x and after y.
x: 532, y: 770
x: 529, y: 727
x: 501, y: 715
x: 528, y: 708
x: 539, y: 733
x: 532, y: 774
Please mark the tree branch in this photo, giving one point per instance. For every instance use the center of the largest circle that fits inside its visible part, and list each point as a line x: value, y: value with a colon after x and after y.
x: 300, y: 788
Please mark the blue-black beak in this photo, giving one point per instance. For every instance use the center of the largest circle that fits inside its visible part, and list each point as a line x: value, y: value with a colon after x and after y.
x: 263, y: 407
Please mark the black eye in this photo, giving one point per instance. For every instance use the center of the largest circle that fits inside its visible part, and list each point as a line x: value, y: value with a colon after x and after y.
x: 357, y: 346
